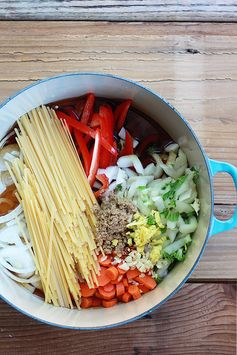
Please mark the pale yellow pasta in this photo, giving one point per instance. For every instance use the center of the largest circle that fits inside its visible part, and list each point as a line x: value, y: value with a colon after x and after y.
x: 58, y: 205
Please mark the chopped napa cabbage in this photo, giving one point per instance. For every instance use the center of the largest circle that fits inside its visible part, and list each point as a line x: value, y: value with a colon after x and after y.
x: 188, y: 226
x: 176, y: 168
x: 177, y: 249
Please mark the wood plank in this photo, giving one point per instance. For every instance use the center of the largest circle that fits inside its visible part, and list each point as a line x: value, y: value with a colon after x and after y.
x: 219, y: 261
x: 200, y: 319
x: 193, y: 65
x: 119, y: 10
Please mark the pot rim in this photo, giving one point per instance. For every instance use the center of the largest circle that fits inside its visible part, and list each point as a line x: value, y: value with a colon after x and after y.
x: 207, y: 163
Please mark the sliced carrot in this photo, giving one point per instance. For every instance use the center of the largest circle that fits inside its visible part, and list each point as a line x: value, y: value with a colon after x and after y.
x: 125, y: 282
x: 134, y: 291
x: 143, y: 288
x: 98, y: 295
x: 121, y: 271
x: 96, y: 302
x: 126, y: 297
x: 106, y: 295
x: 86, y: 291
x: 103, y: 278
x: 108, y: 288
x: 147, y: 281
x: 120, y: 289
x: 86, y: 302
x: 132, y: 274
x: 110, y: 303
x: 104, y: 260
x: 112, y: 273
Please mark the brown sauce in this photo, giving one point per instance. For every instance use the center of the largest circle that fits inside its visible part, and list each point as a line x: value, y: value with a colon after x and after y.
x: 8, y: 200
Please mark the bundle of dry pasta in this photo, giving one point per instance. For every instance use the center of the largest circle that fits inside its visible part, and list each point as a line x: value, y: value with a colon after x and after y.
x: 58, y: 206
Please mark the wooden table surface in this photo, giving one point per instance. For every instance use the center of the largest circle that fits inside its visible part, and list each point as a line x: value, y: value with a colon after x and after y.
x: 194, y: 66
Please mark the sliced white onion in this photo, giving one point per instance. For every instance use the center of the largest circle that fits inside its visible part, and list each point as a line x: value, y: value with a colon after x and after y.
x: 124, y: 266
x: 172, y: 147
x: 6, y: 155
x: 129, y: 161
x: 130, y: 172
x: 148, y: 178
x: 29, y: 287
x: 122, y: 133
x: 112, y: 186
x: 10, y: 235
x: 18, y: 260
x: 5, y: 139
x: 121, y: 177
x: 135, y: 143
x: 112, y: 172
x: 150, y: 169
x: 19, y: 279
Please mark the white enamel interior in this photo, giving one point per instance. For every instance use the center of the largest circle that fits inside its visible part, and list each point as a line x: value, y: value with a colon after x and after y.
x: 108, y: 86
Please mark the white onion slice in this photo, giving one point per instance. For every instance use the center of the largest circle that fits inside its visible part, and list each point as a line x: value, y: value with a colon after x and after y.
x: 17, y: 259
x: 129, y: 161
x: 5, y: 139
x: 122, y: 133
x: 30, y: 280
x: 130, y: 172
x: 13, y: 214
x: 172, y: 147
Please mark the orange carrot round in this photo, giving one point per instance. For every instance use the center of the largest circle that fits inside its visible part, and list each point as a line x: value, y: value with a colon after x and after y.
x: 112, y: 273
x: 106, y: 295
x: 120, y: 289
x: 103, y: 278
x: 143, y: 288
x: 126, y: 297
x: 108, y: 288
x: 104, y: 260
x: 134, y: 291
x: 125, y: 282
x: 147, y: 281
x: 86, y: 302
x: 132, y: 274
x: 121, y: 271
x: 96, y: 302
x: 86, y: 291
x: 110, y: 303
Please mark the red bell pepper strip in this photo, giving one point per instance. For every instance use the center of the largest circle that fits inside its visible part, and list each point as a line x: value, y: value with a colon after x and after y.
x: 95, y: 158
x: 79, y: 106
x: 87, y: 130
x: 107, y: 122
x: 120, y: 114
x: 96, y: 120
x: 83, y: 150
x: 128, y: 146
x: 88, y: 108
x: 105, y: 184
x: 152, y: 138
x: 113, y: 159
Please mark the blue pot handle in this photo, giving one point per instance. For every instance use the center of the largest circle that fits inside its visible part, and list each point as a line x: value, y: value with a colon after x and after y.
x: 221, y: 167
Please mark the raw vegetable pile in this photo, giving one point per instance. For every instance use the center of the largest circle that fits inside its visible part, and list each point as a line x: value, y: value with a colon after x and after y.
x: 148, y: 204
x: 161, y: 187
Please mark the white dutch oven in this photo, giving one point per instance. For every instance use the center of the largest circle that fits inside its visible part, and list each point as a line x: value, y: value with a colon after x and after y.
x: 71, y: 85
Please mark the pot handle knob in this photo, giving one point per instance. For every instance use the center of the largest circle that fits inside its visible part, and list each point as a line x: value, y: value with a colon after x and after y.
x: 222, y: 167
